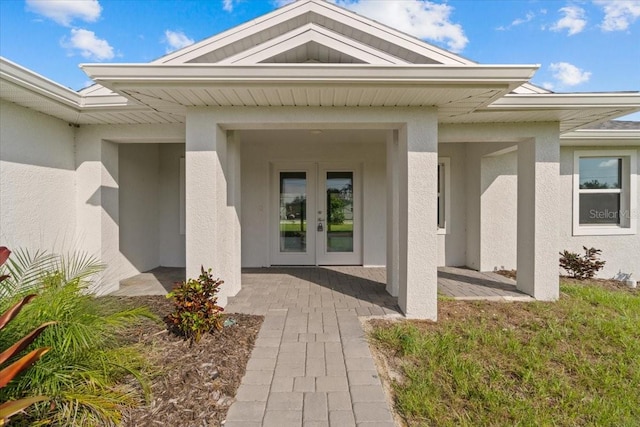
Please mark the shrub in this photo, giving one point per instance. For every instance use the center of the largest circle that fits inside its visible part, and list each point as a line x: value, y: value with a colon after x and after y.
x: 85, y: 373
x: 196, y: 311
x: 10, y: 372
x: 582, y: 266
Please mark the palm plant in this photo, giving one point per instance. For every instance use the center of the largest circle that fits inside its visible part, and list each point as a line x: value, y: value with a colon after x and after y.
x: 84, y: 371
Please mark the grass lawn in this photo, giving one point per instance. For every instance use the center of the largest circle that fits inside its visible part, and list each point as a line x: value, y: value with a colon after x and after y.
x: 293, y: 225
x: 573, y: 362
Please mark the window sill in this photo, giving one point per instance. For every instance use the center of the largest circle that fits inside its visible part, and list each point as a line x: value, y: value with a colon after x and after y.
x: 442, y: 231
x: 603, y: 231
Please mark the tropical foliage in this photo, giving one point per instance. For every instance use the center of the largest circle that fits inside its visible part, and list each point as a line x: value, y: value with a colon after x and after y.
x: 84, y: 372
x: 12, y: 370
x: 196, y: 310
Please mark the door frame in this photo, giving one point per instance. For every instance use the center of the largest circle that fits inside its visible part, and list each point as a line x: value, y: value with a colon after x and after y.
x: 316, y: 245
x: 340, y: 258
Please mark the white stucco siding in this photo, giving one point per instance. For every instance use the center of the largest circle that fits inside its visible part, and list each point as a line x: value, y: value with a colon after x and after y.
x: 260, y: 149
x: 491, y: 205
x: 621, y: 252
x: 139, y: 176
x: 452, y: 245
x: 37, y: 180
x: 98, y: 191
x: 171, y: 240
x: 499, y: 225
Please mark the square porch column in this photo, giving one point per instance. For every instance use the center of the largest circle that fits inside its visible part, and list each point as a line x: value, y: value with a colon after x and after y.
x: 212, y: 223
x: 393, y: 204
x: 538, y: 186
x: 417, y: 174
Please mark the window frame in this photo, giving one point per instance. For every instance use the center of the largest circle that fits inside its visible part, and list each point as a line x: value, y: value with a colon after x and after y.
x: 628, y: 194
x: 445, y: 179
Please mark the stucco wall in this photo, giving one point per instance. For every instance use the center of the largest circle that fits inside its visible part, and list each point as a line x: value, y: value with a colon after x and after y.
x: 149, y: 195
x: 621, y: 253
x: 170, y: 239
x: 139, y: 174
x: 499, y: 201
x: 37, y: 180
x: 259, y: 148
x: 452, y: 245
x: 491, y: 197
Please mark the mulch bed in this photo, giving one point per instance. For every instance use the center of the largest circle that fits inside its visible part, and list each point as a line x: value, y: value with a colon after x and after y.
x: 195, y: 384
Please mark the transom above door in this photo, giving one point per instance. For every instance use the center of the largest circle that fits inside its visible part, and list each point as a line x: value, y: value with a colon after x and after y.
x: 316, y: 214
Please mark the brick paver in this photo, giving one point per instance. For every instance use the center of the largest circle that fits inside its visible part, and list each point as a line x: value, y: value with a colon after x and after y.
x: 311, y: 365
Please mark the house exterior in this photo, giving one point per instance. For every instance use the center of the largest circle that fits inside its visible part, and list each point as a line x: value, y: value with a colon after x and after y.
x: 314, y: 136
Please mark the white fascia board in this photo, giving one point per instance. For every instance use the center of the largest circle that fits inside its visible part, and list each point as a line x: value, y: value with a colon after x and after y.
x: 605, y: 135
x: 38, y: 85
x: 123, y: 75
x: 568, y: 100
x: 312, y: 33
x: 320, y: 7
x: 66, y: 98
x: 387, y: 33
x: 234, y: 34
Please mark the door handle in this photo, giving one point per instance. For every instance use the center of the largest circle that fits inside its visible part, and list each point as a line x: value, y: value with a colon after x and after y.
x: 320, y: 227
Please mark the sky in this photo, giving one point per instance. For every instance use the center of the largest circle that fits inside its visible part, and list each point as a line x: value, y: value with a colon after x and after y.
x: 580, y: 45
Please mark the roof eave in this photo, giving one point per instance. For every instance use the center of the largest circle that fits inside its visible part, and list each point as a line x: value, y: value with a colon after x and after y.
x: 109, y: 75
x: 37, y: 84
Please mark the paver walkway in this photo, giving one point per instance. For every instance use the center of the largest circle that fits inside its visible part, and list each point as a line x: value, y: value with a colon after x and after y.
x: 467, y: 284
x: 311, y: 365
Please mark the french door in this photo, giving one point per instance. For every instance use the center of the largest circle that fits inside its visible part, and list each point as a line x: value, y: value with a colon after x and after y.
x: 317, y: 214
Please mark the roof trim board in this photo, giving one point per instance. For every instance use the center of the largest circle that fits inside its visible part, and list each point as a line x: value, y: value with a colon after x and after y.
x: 115, y: 75
x: 312, y: 33
x: 313, y: 9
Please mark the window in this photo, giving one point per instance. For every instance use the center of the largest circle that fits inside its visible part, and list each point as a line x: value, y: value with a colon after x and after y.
x: 604, y: 192
x: 444, y: 185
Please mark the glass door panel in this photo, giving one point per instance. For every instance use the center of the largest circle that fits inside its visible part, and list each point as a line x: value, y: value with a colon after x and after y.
x: 293, y: 212
x: 339, y: 209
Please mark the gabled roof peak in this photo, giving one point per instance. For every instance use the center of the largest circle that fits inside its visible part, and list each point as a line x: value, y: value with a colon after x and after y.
x: 327, y: 15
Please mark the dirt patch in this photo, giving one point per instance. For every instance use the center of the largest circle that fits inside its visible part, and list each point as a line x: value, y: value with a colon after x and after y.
x: 614, y: 285
x: 194, y: 385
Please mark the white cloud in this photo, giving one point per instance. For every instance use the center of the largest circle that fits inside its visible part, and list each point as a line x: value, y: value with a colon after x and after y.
x: 176, y: 40
x: 89, y: 45
x: 420, y: 18
x: 608, y: 163
x: 548, y: 85
x: 573, y: 20
x: 618, y: 14
x: 65, y: 11
x: 227, y: 5
x: 519, y: 21
x: 568, y: 74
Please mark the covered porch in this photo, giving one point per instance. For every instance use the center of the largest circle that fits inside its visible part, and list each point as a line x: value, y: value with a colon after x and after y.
x: 346, y: 287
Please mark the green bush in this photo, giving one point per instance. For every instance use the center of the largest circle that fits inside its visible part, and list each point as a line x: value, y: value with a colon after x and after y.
x: 582, y: 267
x: 196, y: 311
x: 85, y: 372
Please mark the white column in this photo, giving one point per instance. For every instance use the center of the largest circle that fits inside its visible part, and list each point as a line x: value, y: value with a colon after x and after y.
x: 97, y: 204
x: 538, y: 186
x: 418, y: 175
x: 393, y: 230
x: 212, y: 224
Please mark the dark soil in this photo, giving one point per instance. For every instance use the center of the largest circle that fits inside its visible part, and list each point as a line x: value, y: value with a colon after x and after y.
x: 195, y: 384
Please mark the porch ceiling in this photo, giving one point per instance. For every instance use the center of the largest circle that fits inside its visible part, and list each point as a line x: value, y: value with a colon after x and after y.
x: 455, y: 90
